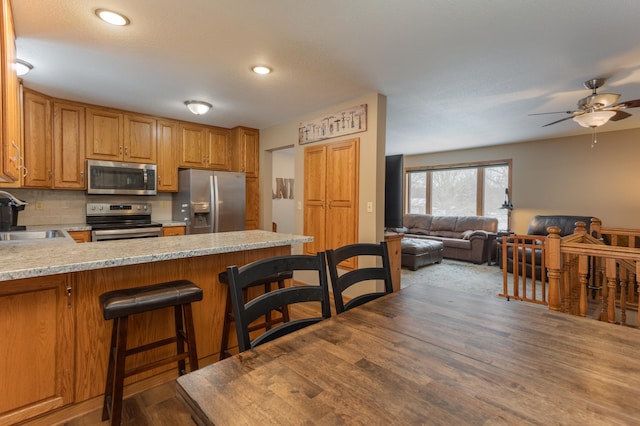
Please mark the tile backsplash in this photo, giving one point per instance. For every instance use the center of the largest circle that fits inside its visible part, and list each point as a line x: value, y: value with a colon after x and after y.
x: 59, y: 207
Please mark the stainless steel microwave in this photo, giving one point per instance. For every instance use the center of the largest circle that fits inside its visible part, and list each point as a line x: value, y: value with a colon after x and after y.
x: 114, y: 177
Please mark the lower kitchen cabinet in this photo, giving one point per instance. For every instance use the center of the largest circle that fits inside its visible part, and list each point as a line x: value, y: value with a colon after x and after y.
x: 171, y: 231
x: 37, y: 352
x: 81, y: 236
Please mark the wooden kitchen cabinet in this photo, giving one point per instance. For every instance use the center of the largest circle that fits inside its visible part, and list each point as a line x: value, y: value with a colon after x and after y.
x: 252, y: 204
x: 245, y: 151
x: 80, y: 236
x: 204, y: 147
x: 10, y: 137
x: 116, y: 136
x: 167, y: 140
x: 172, y: 231
x: 37, y: 141
x: 68, y: 146
x: 37, y: 356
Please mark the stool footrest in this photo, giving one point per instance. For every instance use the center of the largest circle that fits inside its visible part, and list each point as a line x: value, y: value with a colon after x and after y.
x: 155, y: 364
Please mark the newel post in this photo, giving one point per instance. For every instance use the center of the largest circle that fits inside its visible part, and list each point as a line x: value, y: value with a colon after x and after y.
x: 596, y: 227
x: 553, y: 261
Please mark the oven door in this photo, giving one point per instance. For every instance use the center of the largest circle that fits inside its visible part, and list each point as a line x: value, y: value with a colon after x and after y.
x: 125, y: 234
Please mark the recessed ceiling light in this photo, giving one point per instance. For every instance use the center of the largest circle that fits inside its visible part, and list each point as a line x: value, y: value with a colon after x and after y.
x: 22, y: 67
x: 261, y: 69
x: 198, y: 107
x: 112, y: 18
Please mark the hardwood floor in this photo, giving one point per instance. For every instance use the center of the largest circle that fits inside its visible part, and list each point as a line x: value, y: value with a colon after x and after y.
x: 158, y: 406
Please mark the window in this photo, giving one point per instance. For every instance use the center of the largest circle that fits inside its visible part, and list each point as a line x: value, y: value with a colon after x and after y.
x: 460, y: 190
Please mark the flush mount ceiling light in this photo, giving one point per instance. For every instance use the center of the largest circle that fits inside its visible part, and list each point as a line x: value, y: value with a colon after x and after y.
x: 22, y: 67
x: 594, y: 119
x: 198, y: 107
x: 261, y: 69
x: 112, y: 18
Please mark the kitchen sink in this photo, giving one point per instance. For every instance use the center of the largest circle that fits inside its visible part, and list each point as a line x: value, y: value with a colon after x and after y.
x: 53, y: 234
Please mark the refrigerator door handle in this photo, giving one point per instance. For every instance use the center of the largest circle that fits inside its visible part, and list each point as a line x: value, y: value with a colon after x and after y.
x: 215, y: 211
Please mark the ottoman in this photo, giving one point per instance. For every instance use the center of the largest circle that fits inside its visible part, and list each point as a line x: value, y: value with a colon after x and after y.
x: 418, y: 252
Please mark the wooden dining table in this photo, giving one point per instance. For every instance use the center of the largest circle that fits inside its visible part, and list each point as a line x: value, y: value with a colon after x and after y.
x: 429, y: 355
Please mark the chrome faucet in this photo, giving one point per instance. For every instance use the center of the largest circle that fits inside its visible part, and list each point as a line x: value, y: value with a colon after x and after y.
x: 16, y: 201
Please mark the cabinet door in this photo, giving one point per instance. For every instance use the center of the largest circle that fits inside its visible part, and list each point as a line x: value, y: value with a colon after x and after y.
x: 172, y: 231
x: 10, y: 155
x: 68, y: 146
x: 37, y: 355
x: 218, y: 149
x: 81, y: 236
x: 37, y: 141
x: 192, y: 145
x: 139, y: 139
x: 245, y: 152
x: 104, y: 135
x: 342, y: 194
x: 252, y: 203
x: 315, y: 159
x: 167, y: 140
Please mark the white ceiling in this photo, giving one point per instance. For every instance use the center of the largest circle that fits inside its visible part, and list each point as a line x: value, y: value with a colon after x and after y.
x: 456, y: 73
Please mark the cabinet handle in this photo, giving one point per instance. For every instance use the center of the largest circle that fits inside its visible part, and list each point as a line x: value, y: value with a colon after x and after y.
x: 68, y: 296
x: 120, y: 149
x: 126, y: 151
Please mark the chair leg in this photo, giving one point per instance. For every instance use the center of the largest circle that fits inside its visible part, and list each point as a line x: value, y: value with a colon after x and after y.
x: 285, y: 308
x: 182, y: 369
x: 108, y: 390
x: 191, y: 337
x: 115, y: 378
x: 226, y: 324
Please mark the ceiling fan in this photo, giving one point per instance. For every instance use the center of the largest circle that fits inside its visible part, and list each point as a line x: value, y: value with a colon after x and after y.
x: 596, y: 109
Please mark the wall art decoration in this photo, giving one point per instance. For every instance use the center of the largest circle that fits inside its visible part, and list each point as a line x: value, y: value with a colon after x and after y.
x: 345, y: 122
x: 283, y: 189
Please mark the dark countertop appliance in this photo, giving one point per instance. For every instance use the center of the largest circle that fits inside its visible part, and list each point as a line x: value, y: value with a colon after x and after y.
x: 121, y: 221
x: 9, y: 208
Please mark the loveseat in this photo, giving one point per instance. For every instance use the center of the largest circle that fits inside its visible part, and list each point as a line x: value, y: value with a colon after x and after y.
x: 538, y: 226
x: 464, y: 237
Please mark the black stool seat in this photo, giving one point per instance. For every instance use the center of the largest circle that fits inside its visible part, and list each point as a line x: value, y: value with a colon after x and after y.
x: 129, y: 301
x: 269, y: 321
x: 118, y: 305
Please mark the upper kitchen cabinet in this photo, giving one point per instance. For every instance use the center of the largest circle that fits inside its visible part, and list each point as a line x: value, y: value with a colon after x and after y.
x: 68, y: 146
x: 167, y: 140
x: 204, y: 147
x: 245, y: 150
x: 37, y: 141
x: 115, y: 136
x: 10, y: 151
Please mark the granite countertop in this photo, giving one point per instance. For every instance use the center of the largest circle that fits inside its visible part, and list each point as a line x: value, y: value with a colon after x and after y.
x: 85, y: 227
x: 53, y: 257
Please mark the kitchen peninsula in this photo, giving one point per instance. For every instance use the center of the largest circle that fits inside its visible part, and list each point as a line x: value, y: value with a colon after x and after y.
x: 49, y: 312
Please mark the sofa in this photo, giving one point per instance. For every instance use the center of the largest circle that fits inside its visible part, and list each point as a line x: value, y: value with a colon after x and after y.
x: 538, y: 226
x: 467, y: 238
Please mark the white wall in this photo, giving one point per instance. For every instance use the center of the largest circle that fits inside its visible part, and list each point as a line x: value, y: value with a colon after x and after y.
x: 565, y: 176
x: 372, y: 162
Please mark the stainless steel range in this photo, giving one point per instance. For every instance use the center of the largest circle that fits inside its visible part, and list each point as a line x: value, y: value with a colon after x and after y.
x: 121, y: 221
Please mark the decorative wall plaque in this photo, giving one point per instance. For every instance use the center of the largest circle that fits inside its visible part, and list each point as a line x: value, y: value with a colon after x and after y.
x: 345, y: 122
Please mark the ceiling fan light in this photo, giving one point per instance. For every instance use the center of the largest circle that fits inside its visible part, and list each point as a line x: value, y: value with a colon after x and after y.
x: 594, y: 119
x: 198, y: 107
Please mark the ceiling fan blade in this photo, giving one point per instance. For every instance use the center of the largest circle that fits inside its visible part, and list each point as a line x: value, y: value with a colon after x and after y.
x: 620, y: 115
x: 555, y: 112
x: 561, y: 120
x: 634, y: 103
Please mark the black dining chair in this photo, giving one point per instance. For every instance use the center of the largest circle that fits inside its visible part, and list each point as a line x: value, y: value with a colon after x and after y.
x: 341, y: 282
x: 246, y: 313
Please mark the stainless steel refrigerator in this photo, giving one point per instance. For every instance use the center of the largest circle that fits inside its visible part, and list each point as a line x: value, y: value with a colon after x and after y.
x: 210, y: 201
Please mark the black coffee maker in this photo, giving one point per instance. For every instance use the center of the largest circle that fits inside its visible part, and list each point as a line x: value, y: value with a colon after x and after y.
x: 9, y: 208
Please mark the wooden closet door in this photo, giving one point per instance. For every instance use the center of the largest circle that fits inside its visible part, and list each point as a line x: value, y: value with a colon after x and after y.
x: 315, y: 160
x: 342, y: 194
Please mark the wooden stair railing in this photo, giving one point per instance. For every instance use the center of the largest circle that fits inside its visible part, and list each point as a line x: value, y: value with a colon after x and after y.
x: 526, y: 284
x: 581, y: 262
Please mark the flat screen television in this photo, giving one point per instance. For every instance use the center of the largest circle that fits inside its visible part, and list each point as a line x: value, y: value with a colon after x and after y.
x: 393, y: 191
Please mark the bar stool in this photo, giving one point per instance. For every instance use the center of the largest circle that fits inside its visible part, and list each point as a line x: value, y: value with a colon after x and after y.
x: 118, y: 305
x: 269, y: 320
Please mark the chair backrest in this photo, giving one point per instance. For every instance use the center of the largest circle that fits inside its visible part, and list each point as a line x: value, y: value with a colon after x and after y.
x: 340, y: 283
x: 245, y: 314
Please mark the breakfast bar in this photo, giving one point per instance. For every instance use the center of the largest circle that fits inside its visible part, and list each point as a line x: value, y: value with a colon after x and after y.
x: 51, y: 325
